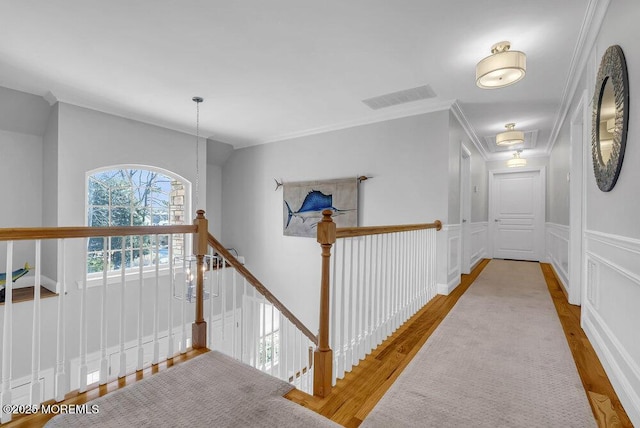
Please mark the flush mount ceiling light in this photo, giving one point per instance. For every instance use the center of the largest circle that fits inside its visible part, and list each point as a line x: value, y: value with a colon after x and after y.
x: 516, y: 160
x: 502, y: 68
x: 510, y: 136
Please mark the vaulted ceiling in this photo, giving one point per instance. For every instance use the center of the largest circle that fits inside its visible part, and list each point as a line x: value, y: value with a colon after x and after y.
x: 273, y: 70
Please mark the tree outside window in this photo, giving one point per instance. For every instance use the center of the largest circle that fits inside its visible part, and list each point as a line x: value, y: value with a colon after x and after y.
x: 132, y: 197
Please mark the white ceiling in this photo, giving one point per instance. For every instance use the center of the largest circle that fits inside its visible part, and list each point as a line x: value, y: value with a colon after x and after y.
x: 271, y: 70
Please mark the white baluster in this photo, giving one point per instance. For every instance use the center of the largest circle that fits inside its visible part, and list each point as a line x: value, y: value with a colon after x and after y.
x: 183, y: 299
x: 223, y: 307
x: 122, y: 372
x: 244, y: 351
x: 377, y: 297
x: 366, y: 291
x: 350, y: 311
x: 284, y: 348
x: 263, y: 335
x: 333, y: 326
x: 35, y: 337
x: 172, y: 284
x: 156, y: 305
x: 104, y: 363
x: 341, y: 318
x: 273, y: 342
x: 83, y: 324
x: 7, y: 328
x: 61, y: 387
x: 357, y: 353
x: 140, y: 362
x: 234, y: 337
x: 370, y: 292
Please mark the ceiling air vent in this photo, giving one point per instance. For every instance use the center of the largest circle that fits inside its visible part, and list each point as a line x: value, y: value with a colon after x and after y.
x: 400, y: 97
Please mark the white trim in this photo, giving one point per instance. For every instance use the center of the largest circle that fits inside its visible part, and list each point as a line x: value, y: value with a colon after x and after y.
x: 615, y: 360
x: 468, y: 129
x: 555, y: 233
x: 478, y: 245
x: 622, y: 242
x: 401, y: 112
x: 446, y: 289
x: 608, y: 258
x: 592, y: 21
x: 577, y: 198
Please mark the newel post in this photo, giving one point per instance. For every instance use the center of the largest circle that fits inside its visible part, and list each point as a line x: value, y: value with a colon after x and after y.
x: 323, y: 356
x: 200, y: 247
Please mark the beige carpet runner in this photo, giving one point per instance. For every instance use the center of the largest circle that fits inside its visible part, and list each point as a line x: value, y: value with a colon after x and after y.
x: 211, y: 390
x: 499, y: 359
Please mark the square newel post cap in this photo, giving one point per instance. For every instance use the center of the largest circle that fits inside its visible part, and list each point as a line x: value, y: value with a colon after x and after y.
x: 326, y: 229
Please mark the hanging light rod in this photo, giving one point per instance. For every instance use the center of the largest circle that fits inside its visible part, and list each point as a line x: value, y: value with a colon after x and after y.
x: 502, y: 68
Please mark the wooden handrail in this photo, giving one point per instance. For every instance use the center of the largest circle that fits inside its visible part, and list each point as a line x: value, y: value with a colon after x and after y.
x: 233, y: 261
x: 349, y: 232
x: 26, y: 233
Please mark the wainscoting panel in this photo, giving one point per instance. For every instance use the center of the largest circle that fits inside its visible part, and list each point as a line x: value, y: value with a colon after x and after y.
x: 479, y: 242
x: 557, y: 251
x: 611, y: 312
x: 448, y: 241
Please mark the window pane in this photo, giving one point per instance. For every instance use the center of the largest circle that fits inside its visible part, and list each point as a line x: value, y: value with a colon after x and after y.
x: 95, y: 262
x: 126, y: 197
x: 121, y: 217
x: 98, y: 217
x: 96, y: 244
x: 98, y: 193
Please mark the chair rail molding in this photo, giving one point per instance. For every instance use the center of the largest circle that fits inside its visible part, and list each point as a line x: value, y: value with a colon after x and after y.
x: 610, y: 315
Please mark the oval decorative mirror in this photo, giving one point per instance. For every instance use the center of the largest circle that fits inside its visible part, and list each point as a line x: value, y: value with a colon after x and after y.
x: 610, y: 117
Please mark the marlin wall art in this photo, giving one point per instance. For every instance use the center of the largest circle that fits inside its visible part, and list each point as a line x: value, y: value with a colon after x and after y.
x: 305, y: 201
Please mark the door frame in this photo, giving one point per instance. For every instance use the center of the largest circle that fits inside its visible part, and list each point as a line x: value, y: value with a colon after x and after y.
x: 542, y: 204
x: 465, y: 209
x: 578, y: 155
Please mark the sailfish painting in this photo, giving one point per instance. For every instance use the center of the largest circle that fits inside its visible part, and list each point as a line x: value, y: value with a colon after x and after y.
x: 305, y: 201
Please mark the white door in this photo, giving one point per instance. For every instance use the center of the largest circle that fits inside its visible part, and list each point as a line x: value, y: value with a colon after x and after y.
x: 516, y: 205
x: 465, y: 209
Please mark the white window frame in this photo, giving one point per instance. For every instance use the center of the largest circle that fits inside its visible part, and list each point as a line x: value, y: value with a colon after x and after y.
x: 113, y: 276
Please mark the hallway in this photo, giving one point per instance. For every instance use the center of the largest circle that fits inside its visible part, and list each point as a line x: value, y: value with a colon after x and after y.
x: 355, y: 396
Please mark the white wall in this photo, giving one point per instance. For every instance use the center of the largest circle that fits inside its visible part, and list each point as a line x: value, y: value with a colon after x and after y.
x: 406, y: 158
x: 611, y: 280
x: 557, y: 179
x: 21, y: 174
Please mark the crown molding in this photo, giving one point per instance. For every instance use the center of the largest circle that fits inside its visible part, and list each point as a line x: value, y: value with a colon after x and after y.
x: 591, y: 24
x: 468, y: 129
x: 395, y: 114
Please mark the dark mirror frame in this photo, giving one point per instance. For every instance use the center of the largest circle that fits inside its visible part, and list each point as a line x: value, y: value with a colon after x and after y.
x: 613, y: 68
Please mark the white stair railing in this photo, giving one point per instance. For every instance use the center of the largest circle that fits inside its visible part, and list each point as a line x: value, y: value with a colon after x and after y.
x: 379, y: 278
x: 377, y: 283
x: 248, y: 323
x: 38, y: 364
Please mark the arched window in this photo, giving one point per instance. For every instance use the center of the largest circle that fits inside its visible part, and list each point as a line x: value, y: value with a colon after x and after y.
x: 132, y: 197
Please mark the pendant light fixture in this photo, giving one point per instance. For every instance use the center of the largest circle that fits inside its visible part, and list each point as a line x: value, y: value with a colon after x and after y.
x: 502, y: 68
x: 185, y: 277
x: 516, y: 160
x: 510, y: 136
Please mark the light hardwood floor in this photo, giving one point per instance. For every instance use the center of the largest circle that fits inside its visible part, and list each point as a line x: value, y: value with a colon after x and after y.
x: 354, y: 396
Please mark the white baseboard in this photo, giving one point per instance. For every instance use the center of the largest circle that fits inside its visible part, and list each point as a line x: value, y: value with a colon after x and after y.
x: 618, y: 365
x: 446, y: 289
